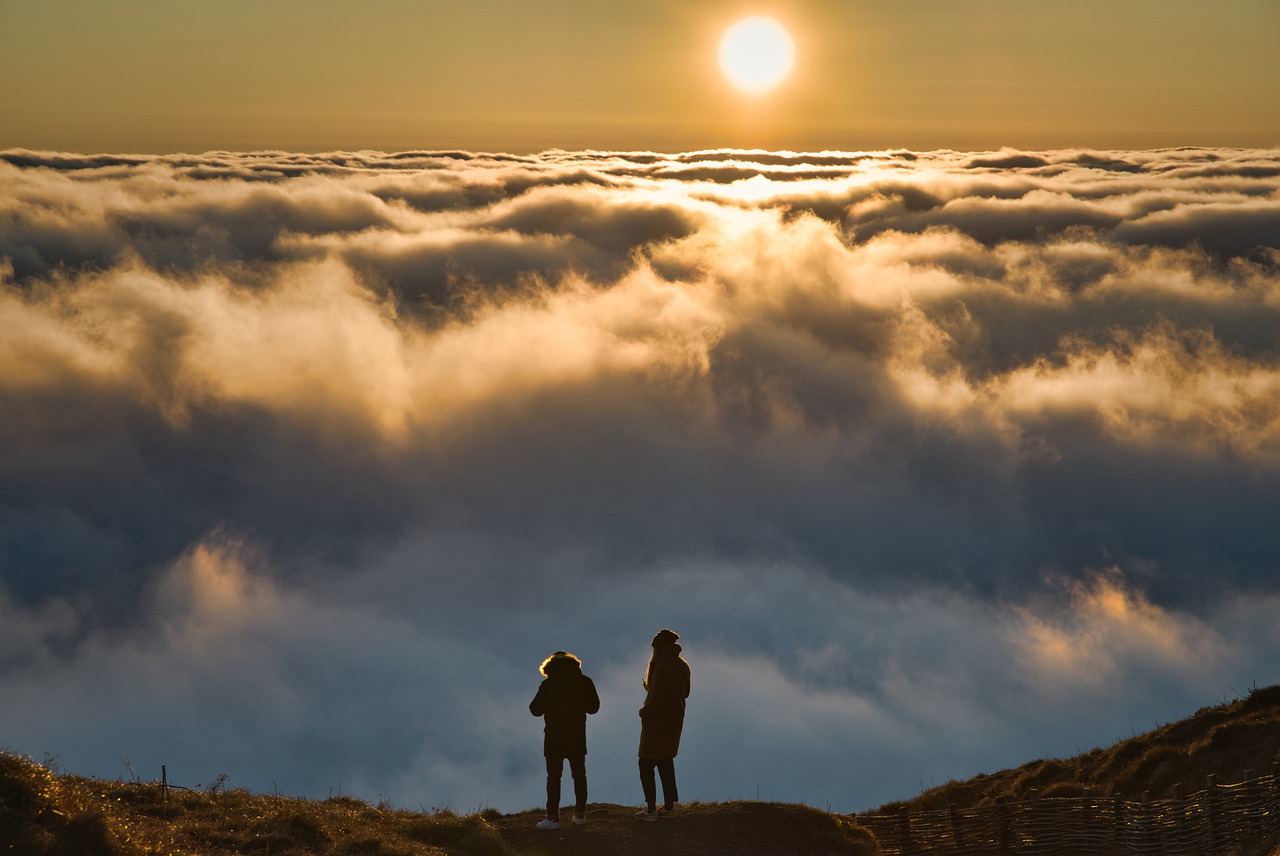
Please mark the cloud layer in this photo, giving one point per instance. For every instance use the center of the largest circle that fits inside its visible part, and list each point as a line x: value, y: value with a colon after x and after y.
x: 939, y: 461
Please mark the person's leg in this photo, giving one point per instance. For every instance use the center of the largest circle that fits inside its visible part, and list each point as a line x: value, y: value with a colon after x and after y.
x: 667, y: 770
x: 647, y: 782
x: 555, y: 766
x: 578, y: 769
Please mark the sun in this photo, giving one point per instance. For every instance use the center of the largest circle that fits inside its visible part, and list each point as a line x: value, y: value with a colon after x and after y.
x: 756, y: 54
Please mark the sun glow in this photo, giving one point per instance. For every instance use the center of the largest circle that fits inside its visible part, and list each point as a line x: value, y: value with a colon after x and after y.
x: 756, y: 54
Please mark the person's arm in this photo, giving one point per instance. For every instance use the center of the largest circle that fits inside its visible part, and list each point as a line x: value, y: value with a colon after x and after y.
x: 591, y: 698
x: 539, y: 704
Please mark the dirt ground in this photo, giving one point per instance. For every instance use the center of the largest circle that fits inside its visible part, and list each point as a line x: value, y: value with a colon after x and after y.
x: 698, y: 829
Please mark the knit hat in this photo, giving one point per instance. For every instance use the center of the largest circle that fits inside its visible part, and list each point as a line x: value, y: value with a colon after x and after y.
x: 665, y: 637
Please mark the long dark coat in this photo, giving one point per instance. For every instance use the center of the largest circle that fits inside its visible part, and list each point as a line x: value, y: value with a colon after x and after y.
x: 662, y: 715
x: 563, y: 701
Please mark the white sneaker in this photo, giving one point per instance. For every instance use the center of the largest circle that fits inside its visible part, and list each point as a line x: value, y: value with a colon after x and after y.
x: 579, y: 820
x: 650, y: 816
x: 663, y: 811
x: 547, y: 824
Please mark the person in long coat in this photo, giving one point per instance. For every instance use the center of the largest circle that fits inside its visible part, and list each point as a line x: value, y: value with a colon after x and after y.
x: 564, y: 700
x: 661, y: 722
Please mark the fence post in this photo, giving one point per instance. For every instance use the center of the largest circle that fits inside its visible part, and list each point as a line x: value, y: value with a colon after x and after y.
x: 904, y: 832
x: 957, y: 832
x: 1211, y: 812
x: 1003, y: 842
x: 1179, y: 810
x: 1273, y: 797
x: 1254, y: 809
x: 1147, y: 824
x: 1117, y: 821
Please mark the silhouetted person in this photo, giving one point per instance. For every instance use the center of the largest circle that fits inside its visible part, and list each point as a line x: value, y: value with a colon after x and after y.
x: 661, y: 721
x: 563, y: 701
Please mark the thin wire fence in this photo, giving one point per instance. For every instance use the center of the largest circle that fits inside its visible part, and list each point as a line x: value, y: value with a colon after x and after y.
x: 1207, y: 822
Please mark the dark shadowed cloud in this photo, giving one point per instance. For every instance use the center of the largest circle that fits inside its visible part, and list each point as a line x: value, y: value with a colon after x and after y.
x: 940, y: 461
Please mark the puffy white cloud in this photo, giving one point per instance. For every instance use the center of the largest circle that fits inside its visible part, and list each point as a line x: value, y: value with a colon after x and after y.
x: 1107, y: 631
x: 308, y: 460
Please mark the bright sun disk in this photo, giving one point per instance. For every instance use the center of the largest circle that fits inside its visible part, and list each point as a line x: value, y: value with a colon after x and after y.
x: 756, y: 54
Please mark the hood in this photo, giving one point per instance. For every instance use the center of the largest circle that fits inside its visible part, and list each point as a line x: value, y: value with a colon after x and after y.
x: 561, y: 662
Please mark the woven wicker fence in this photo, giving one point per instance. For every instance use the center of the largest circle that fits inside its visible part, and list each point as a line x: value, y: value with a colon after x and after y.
x: 1210, y: 821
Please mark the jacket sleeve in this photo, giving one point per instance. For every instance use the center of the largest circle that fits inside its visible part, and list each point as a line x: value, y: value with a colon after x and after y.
x: 590, y: 698
x: 539, y: 704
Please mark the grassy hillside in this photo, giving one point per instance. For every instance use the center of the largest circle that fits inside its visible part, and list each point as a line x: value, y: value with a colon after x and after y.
x: 1224, y: 740
x: 42, y: 814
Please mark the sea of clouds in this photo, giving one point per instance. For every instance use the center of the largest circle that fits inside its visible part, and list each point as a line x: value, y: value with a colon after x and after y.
x: 939, y: 462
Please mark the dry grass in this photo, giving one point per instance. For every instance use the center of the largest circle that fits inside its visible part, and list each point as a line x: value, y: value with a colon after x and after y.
x: 43, y: 814
x: 699, y: 829
x: 1225, y: 741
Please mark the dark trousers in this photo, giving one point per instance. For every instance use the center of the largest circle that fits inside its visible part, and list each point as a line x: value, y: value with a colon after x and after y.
x: 667, y: 770
x: 578, y: 769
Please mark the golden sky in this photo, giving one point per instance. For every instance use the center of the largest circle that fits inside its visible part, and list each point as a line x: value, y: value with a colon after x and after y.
x: 153, y: 76
x: 158, y: 76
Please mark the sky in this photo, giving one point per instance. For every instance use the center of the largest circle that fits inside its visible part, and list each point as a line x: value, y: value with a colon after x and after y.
x: 159, y: 76
x: 939, y: 462
x: 352, y: 363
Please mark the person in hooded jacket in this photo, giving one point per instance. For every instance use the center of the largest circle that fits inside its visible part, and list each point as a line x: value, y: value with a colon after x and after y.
x: 661, y: 721
x: 564, y: 700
